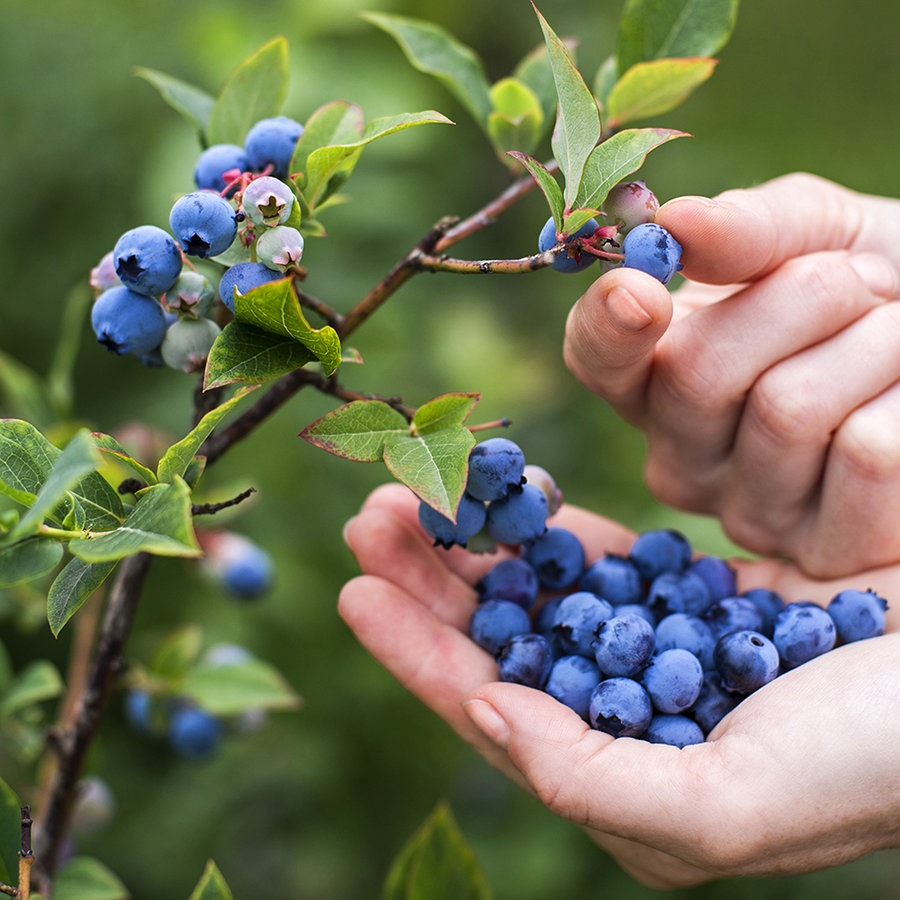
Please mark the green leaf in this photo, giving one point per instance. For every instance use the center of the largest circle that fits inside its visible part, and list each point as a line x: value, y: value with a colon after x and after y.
x: 436, y: 864
x: 433, y: 51
x: 274, y: 307
x: 177, y: 458
x: 112, y: 448
x: 255, y: 90
x: 444, y: 412
x: 652, y: 88
x: 534, y: 71
x: 620, y: 155
x: 576, y: 218
x: 83, y: 878
x: 577, y: 119
x: 547, y: 183
x: 517, y: 119
x: 27, y: 560
x: 239, y: 687
x: 337, y: 122
x: 76, y: 460
x: 191, y: 102
x: 606, y: 77
x: 654, y: 29
x: 37, y: 682
x: 246, y: 354
x: 357, y: 430
x: 160, y: 523
x: 178, y: 652
x: 10, y: 833
x: 211, y: 885
x: 71, y: 588
x: 24, y: 391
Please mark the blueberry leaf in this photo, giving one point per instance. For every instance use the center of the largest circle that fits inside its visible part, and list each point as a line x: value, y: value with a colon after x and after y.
x: 652, y: 88
x: 110, y: 447
x: 577, y: 118
x: 83, y: 878
x: 356, y: 431
x: 618, y: 156
x: 546, y: 182
x: 444, y: 412
x: 577, y: 218
x: 255, y: 90
x: 433, y: 51
x: 71, y: 588
x: 28, y: 559
x: 212, y: 885
x: 517, y: 120
x: 194, y: 104
x: 436, y: 863
x: 246, y: 354
x: 38, y: 681
x: 177, y: 653
x: 228, y: 690
x: 10, y: 832
x: 653, y: 29
x: 535, y: 72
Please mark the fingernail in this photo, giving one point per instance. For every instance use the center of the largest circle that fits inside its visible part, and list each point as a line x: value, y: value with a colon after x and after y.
x: 879, y: 276
x: 346, y: 528
x: 625, y: 312
x: 488, y: 720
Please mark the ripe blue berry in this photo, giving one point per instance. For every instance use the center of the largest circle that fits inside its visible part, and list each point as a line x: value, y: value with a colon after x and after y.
x: 672, y: 592
x: 495, y: 622
x: 243, y: 277
x: 660, y: 550
x: 857, y: 615
x: 734, y: 614
x: 689, y: 633
x: 525, y: 659
x: 496, y: 467
x: 802, y: 632
x: 470, y: 517
x: 271, y: 142
x: 614, y: 578
x: 623, y: 645
x: 574, y: 260
x: 139, y: 710
x: 128, y: 322
x: 510, y: 579
x: 576, y: 621
x: 519, y: 517
x: 203, y: 223
x: 719, y: 576
x: 193, y: 733
x: 147, y: 260
x: 572, y: 681
x: 713, y: 703
x: 745, y: 660
x: 542, y: 479
x: 674, y: 730
x: 620, y: 707
x: 769, y: 604
x: 673, y: 679
x: 650, y: 248
x: 215, y: 161
x: 558, y: 558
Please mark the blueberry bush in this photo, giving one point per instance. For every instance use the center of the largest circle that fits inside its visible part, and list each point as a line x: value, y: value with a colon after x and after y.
x: 111, y: 527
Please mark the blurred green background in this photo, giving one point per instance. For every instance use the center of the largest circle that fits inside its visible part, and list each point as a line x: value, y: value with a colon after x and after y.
x: 316, y: 804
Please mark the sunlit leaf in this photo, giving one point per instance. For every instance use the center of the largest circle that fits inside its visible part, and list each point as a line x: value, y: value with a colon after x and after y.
x: 83, y: 878
x: 212, y: 885
x: 239, y: 687
x: 191, y: 102
x: 71, y: 588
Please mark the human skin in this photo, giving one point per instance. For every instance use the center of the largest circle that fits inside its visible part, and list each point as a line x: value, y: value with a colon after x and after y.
x: 768, y: 385
x: 802, y: 775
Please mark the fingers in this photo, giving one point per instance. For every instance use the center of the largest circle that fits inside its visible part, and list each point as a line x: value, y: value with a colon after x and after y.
x: 742, y: 235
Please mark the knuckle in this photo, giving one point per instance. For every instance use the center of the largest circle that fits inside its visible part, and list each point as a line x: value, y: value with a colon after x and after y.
x: 868, y: 445
x: 786, y: 406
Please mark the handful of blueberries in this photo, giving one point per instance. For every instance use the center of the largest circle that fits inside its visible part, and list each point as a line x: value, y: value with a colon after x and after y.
x: 656, y: 644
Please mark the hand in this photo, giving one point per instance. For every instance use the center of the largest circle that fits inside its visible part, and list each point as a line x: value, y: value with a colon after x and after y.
x: 803, y: 774
x: 769, y: 385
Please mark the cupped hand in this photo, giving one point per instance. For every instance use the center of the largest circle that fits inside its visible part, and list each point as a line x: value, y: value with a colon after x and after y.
x: 803, y: 774
x: 768, y: 386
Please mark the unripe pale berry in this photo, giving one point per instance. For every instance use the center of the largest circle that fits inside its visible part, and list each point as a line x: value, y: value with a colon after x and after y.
x: 629, y: 204
x: 267, y: 201
x: 280, y: 248
x: 187, y: 344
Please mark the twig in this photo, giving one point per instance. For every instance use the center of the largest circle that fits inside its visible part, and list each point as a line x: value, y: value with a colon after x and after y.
x: 210, y: 509
x: 425, y: 263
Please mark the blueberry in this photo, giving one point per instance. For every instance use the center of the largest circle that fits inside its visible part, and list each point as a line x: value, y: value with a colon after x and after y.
x: 215, y: 161
x: 510, y: 579
x: 519, y: 517
x: 630, y: 203
x: 719, y: 576
x: 673, y: 679
x: 470, y: 518
x: 280, y: 248
x: 620, y: 707
x: 769, y: 603
x: 577, y: 619
x: 672, y: 592
x: 558, y: 558
x: 650, y: 248
x: 243, y: 277
x: 745, y: 661
x: 623, y: 645
x: 496, y: 467
x: 271, y: 142
x: 147, y: 260
x: 615, y: 579
x: 689, y: 633
x: 575, y: 259
x: 203, y: 223
x: 734, y: 614
x: 187, y: 344
x: 713, y: 703
x: 192, y: 295
x: 802, y: 632
x: 542, y: 479
x: 139, y: 710
x: 193, y: 733
x: 674, y: 730
x: 267, y: 201
x: 857, y: 615
x: 525, y: 659
x: 495, y: 622
x: 128, y: 322
x: 572, y: 681
x: 660, y: 550
x: 545, y: 618
x: 248, y: 574
x: 637, y: 609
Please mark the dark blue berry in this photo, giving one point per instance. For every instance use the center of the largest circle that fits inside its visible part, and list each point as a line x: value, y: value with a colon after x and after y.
x: 194, y: 733
x: 615, y: 579
x: 734, y: 614
x: 271, y: 142
x: 719, y: 576
x: 745, y: 661
x: 127, y: 322
x: 215, y: 161
x: 650, y: 248
x: 495, y: 622
x: 713, y: 703
x: 243, y: 277
x: 519, y: 517
x: 689, y: 633
x: 802, y: 632
x: 658, y: 551
x: 769, y: 603
x: 574, y: 260
x: 495, y: 467
x: 470, y: 518
x: 673, y: 679
x: 623, y: 645
x: 147, y: 260
x: 684, y: 592
x: 857, y: 615
x: 525, y: 659
x: 620, y: 707
x: 203, y: 223
x: 674, y: 730
x: 558, y: 558
x: 572, y: 681
x: 577, y: 619
x: 510, y: 579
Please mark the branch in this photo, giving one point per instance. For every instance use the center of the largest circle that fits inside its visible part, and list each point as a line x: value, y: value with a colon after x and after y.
x: 210, y: 509
x: 425, y: 263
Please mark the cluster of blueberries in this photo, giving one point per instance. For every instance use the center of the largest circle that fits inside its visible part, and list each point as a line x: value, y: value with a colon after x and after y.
x: 656, y: 644
x: 151, y: 300
x: 630, y: 208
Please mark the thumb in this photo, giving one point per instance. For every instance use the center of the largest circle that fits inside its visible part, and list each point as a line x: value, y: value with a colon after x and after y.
x: 611, y: 333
